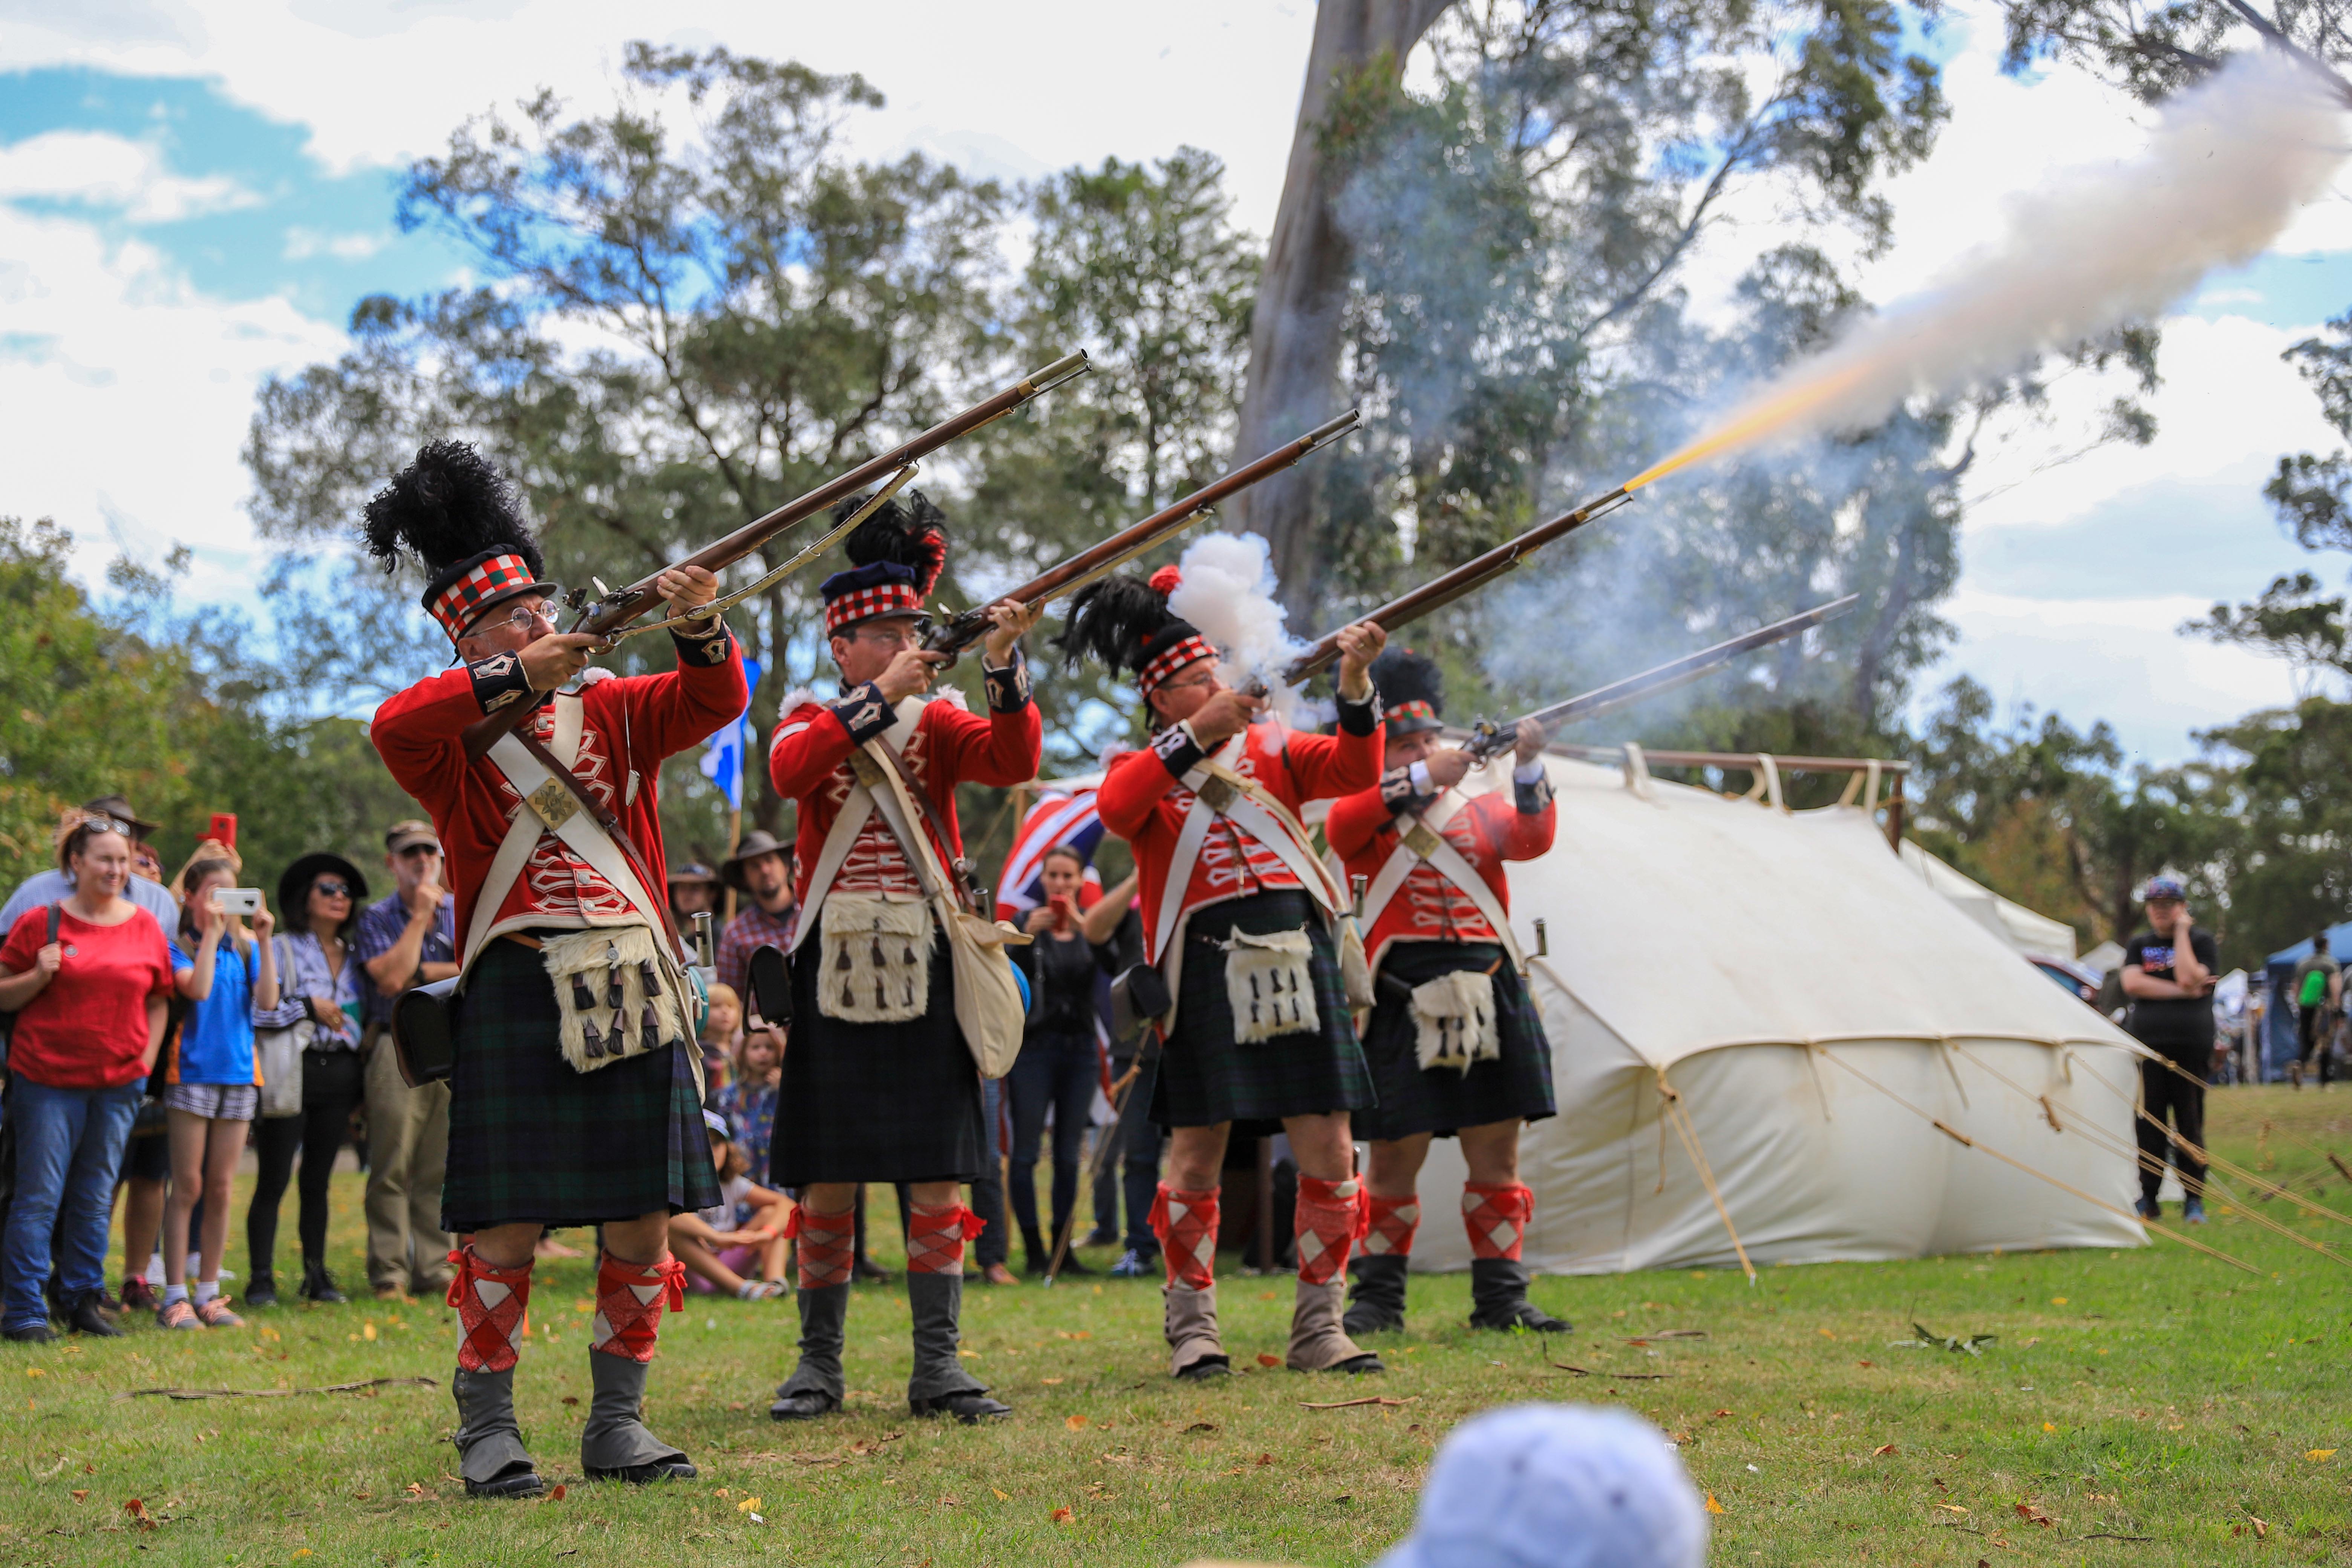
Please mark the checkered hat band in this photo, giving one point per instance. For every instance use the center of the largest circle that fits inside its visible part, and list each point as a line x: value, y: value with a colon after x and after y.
x: 1416, y: 708
x: 863, y: 604
x: 459, y: 602
x: 1168, y: 661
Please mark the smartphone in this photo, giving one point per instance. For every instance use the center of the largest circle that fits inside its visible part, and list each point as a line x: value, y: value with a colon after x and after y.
x: 223, y: 829
x: 238, y: 901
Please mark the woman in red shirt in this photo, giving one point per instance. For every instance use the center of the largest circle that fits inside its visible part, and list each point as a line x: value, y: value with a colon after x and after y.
x: 90, y: 1020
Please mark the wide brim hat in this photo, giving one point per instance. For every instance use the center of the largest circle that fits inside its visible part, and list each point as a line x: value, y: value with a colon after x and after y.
x: 117, y: 807
x: 756, y: 843
x: 692, y: 872
x: 294, y: 883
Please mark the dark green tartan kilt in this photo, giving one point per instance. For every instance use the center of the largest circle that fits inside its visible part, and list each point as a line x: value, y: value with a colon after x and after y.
x: 877, y: 1103
x: 1514, y: 1087
x: 1206, y: 1078
x: 532, y: 1139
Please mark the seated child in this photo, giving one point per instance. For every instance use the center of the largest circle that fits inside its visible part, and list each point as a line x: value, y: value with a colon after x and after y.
x: 715, y: 1246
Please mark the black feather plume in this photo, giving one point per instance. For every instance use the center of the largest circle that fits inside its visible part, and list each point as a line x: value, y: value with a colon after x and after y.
x: 448, y: 504
x: 913, y: 535
x: 1404, y: 676
x: 1109, y: 621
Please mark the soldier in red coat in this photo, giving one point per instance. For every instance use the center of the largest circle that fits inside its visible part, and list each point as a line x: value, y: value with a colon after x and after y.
x: 1238, y: 914
x: 879, y: 1084
x: 577, y: 1095
x: 1455, y: 1044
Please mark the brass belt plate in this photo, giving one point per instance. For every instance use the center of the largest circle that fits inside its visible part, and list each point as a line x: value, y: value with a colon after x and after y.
x: 1218, y: 794
x: 1421, y: 840
x: 552, y: 804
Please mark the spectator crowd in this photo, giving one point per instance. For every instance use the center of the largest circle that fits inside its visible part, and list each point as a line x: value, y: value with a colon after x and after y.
x: 157, y: 1028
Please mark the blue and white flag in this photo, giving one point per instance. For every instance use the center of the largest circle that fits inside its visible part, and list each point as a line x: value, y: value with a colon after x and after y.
x: 722, y: 758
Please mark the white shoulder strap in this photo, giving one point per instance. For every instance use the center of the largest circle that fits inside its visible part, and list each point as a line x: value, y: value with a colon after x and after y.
x: 1425, y: 840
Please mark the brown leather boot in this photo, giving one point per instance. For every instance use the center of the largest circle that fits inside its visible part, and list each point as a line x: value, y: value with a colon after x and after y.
x: 1319, y: 1341
x: 1194, y: 1349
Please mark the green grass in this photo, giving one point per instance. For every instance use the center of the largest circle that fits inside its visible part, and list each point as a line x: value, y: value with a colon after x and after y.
x: 2150, y: 1393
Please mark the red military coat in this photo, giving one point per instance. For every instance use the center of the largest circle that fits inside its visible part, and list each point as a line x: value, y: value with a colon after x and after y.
x: 1367, y: 826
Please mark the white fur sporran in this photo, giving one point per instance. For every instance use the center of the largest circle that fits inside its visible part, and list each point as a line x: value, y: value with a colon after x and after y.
x: 1270, y: 984
x: 616, y: 996
x: 1453, y: 1021
x: 875, y: 965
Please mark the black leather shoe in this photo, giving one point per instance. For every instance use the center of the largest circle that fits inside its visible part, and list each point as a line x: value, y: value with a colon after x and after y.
x: 867, y: 1269
x: 32, y: 1334
x: 514, y: 1483
x: 317, y: 1285
x: 967, y: 1408
x: 1208, y: 1366
x: 806, y: 1405
x: 90, y: 1317
x: 644, y: 1475
x: 262, y: 1292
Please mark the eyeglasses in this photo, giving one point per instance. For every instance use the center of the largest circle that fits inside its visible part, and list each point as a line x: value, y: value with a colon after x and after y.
x: 901, y: 633
x: 327, y: 887
x: 522, y: 618
x: 1208, y: 679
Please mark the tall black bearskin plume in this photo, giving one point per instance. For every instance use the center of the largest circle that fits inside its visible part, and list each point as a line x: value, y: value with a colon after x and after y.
x: 1127, y: 625
x: 913, y: 535
x: 459, y: 519
x: 1412, y: 688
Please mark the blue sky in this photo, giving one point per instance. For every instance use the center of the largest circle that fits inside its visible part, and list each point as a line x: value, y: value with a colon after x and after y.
x: 192, y: 198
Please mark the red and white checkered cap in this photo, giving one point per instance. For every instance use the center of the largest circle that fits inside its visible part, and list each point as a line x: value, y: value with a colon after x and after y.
x: 1171, y: 659
x: 864, y: 604
x: 483, y: 584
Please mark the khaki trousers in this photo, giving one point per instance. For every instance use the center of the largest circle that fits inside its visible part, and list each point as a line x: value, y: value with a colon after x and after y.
x: 408, y: 1148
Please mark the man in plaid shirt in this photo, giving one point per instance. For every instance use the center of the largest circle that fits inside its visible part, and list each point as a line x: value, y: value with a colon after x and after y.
x: 760, y: 869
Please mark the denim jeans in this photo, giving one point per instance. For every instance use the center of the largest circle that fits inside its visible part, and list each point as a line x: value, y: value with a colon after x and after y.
x: 68, y: 1143
x: 1059, y: 1072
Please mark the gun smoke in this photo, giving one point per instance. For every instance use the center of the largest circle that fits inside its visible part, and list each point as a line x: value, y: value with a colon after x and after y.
x: 2227, y: 166
x: 1228, y: 592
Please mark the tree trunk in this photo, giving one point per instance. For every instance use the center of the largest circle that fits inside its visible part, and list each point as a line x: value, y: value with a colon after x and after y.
x: 1295, y: 328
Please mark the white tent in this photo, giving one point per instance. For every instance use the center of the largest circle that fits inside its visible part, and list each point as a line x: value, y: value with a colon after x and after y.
x: 2022, y: 929
x: 1814, y: 1010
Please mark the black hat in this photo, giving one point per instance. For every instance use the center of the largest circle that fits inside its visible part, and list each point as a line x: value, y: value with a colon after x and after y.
x: 460, y: 518
x: 1413, y: 691
x: 691, y: 872
x: 294, y: 886
x: 756, y: 843
x: 115, y: 806
x: 896, y: 558
x: 1125, y: 622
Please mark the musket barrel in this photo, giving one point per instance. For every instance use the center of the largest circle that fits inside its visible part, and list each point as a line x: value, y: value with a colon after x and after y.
x: 619, y: 610
x: 1472, y: 575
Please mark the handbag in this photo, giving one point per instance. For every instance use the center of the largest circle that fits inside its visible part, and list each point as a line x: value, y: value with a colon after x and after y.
x: 277, y: 1057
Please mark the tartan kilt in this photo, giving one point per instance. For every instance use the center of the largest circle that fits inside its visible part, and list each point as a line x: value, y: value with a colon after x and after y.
x: 877, y: 1103
x: 532, y: 1140
x: 1514, y: 1087
x: 1206, y: 1076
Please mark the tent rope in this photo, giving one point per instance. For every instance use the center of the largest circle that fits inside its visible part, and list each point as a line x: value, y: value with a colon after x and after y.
x: 1954, y: 1134
x: 2098, y: 1137
x: 1672, y: 1106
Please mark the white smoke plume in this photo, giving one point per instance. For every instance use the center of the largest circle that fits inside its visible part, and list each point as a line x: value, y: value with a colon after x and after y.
x: 2227, y: 166
x: 1228, y: 592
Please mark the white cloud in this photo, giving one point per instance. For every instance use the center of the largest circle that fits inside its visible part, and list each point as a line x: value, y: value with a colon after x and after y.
x: 302, y: 243
x: 112, y: 172
x: 126, y: 398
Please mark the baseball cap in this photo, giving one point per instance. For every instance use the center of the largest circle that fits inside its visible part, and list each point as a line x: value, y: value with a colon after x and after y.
x: 400, y: 834
x: 1560, y: 1485
x: 2162, y: 888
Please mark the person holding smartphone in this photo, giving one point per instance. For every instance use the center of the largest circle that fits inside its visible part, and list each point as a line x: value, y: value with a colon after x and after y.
x: 2169, y: 974
x: 1061, y: 1060
x: 223, y: 970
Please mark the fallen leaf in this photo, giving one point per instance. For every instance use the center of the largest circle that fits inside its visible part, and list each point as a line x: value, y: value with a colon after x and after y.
x: 2262, y: 1527
x: 1726, y: 1413
x: 748, y: 1505
x: 2057, y: 1301
x: 1265, y: 1458
x: 416, y: 1488
x: 557, y: 1494
x: 2050, y: 1426
x: 367, y: 1330
x: 1883, y: 1450
x: 1002, y: 1497
x: 949, y: 1499
x: 719, y: 1491
x: 1712, y: 1505
x: 82, y: 1495
x: 1265, y: 1359
x: 34, y: 1371
x: 1074, y: 1422
x: 2317, y: 1455
x: 1062, y: 1515
x: 1825, y: 1333
x: 1863, y: 1363
x: 571, y: 1399
x: 1948, y: 1507
x: 1053, y: 1383
x: 1201, y: 1426
x: 2027, y: 1512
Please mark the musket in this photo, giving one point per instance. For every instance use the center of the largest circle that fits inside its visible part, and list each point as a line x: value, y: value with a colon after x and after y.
x: 965, y: 627
x: 1489, y: 740
x: 606, y: 616
x: 1468, y: 577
